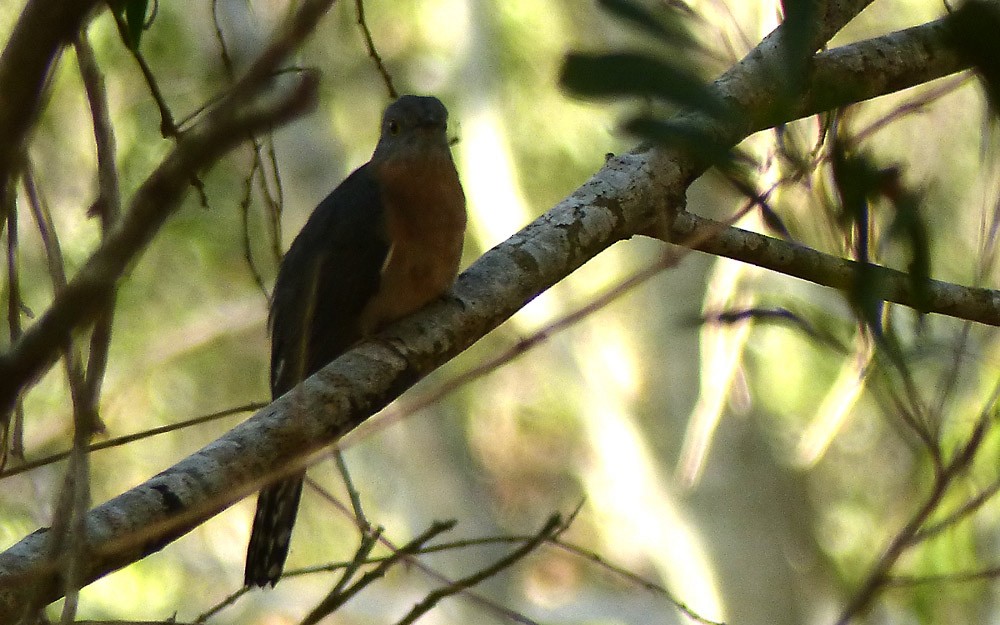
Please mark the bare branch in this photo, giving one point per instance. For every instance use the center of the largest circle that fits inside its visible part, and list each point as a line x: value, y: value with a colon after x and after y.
x: 793, y: 259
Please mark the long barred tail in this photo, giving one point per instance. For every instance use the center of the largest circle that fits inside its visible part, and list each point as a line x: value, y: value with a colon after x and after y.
x: 277, y: 506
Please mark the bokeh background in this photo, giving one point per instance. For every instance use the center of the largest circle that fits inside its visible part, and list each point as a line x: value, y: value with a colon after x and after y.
x: 744, y: 467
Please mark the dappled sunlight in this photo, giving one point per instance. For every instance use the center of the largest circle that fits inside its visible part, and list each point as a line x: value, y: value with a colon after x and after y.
x: 721, y: 358
x: 835, y: 409
x: 639, y: 517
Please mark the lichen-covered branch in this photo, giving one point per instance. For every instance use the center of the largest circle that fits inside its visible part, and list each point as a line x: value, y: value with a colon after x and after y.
x: 793, y: 259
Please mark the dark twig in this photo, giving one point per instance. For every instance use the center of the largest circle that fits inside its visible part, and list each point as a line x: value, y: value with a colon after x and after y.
x: 552, y: 527
x: 12, y: 424
x: 909, y: 535
x: 275, y: 201
x: 46, y: 230
x: 359, y: 6
x: 227, y: 59
x: 986, y: 574
x: 557, y: 542
x: 225, y: 603
x: 359, y: 514
x: 338, y: 595
x: 331, y: 603
x: 245, y: 202
x: 256, y: 167
x: 168, y: 128
x: 124, y: 440
x: 481, y: 600
x: 107, y: 207
x: 631, y: 577
x: 968, y: 508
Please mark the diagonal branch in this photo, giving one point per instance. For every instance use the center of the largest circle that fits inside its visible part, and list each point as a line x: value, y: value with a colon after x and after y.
x: 629, y: 194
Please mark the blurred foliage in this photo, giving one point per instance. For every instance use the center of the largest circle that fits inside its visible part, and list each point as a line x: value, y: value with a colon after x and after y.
x: 818, y: 453
x: 133, y: 14
x: 973, y: 32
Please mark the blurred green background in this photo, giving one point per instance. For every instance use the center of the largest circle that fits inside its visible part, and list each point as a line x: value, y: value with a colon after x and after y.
x: 741, y: 467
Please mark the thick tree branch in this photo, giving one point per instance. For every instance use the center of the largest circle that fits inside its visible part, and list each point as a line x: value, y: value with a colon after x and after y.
x: 629, y: 194
x: 223, y: 127
x: 868, y: 69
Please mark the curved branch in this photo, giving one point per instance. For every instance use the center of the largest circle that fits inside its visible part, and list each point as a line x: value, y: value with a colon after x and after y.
x: 626, y: 196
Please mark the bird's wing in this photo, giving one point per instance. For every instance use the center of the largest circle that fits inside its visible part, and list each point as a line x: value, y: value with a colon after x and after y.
x: 329, y: 274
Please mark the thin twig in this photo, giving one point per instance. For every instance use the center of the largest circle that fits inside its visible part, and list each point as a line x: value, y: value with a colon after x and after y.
x: 108, y: 208
x: 225, y: 603
x: 12, y: 424
x: 551, y: 528
x: 557, y: 542
x: 338, y: 594
x: 124, y: 440
x: 152, y: 203
x: 227, y: 59
x: 968, y: 508
x: 624, y: 573
x: 168, y: 128
x: 275, y: 201
x: 481, y: 600
x: 245, y: 203
x: 359, y: 6
x: 359, y: 514
x: 909, y: 535
x: 330, y: 604
x: 986, y: 574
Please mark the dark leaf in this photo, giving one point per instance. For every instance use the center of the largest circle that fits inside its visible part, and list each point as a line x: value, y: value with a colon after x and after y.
x: 664, y: 24
x: 134, y: 14
x: 974, y: 31
x: 634, y: 74
x: 772, y: 221
x: 676, y: 134
x: 857, y: 179
x: 864, y: 298
x: 909, y: 228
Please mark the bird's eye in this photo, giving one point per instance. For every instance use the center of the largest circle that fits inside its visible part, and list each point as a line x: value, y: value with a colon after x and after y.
x: 393, y: 127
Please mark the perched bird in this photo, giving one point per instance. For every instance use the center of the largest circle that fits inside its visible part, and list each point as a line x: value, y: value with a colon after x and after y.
x: 383, y: 244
